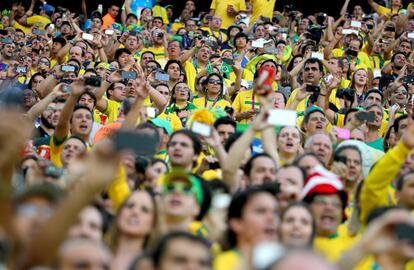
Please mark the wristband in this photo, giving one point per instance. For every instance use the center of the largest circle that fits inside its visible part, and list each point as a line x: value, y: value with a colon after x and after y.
x: 100, y: 48
x: 324, y: 95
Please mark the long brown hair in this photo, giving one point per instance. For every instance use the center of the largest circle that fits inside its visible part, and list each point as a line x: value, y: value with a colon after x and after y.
x: 150, y: 239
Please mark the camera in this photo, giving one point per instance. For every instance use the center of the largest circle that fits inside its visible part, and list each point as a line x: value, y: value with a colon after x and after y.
x: 346, y: 93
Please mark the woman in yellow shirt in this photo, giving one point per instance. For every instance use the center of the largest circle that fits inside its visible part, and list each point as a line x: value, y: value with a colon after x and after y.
x: 214, y: 92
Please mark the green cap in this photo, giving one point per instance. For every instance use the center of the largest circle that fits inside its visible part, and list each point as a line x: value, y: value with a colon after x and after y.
x: 180, y: 175
x: 162, y: 123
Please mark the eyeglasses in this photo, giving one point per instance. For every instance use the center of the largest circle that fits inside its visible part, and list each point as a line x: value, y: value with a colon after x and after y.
x: 178, y: 187
x: 212, y: 81
x: 30, y: 210
x: 325, y: 201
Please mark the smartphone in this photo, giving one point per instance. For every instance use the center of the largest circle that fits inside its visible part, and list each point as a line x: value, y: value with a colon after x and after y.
x: 221, y: 201
x: 395, y: 107
x: 162, y: 77
x: 271, y: 50
x: 265, y: 80
x: 409, y: 79
x: 87, y: 36
x: 38, y: 32
x: 258, y: 43
x: 201, y: 129
x: 282, y: 118
x: 343, y: 133
x: 20, y: 69
x: 151, y: 112
x: 228, y: 61
x: 410, y: 35
x: 141, y: 144
x: 68, y: 68
x: 94, y: 81
x: 352, y: 53
x: 341, y: 159
x: 347, y: 31
x: 3, y: 32
x: 109, y: 32
x: 317, y: 55
x: 356, y: 24
x: 327, y: 78
x: 66, y: 88
x: 313, y: 89
x: 6, y: 41
x: 365, y: 116
x: 130, y: 75
x: 405, y: 232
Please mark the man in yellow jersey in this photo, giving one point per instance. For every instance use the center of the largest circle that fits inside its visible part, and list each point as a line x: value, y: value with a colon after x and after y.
x: 227, y: 10
x: 74, y: 119
x: 159, y: 45
x: 325, y: 194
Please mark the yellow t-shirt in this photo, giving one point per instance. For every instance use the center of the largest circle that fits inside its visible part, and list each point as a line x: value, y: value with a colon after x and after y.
x: 38, y: 19
x: 175, y: 26
x: 228, y: 260
x: 56, y: 151
x: 159, y: 11
x: 384, y: 10
x: 332, y: 247
x: 173, y: 119
x: 361, y: 61
x: 191, y: 74
x: 262, y: 8
x: 159, y: 53
x: 218, y: 34
x: 201, y: 103
x: 220, y: 10
x: 112, y: 110
x: 245, y: 101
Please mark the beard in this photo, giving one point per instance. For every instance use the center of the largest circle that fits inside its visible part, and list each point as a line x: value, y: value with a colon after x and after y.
x: 46, y: 123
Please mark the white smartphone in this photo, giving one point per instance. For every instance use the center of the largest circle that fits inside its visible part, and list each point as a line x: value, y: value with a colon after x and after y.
x: 279, y: 117
x: 151, y: 112
x: 356, y: 24
x: 87, y: 36
x: 346, y: 31
x: 109, y: 32
x: 317, y: 55
x: 328, y: 78
x: 201, y: 129
x: 410, y: 35
x: 258, y: 43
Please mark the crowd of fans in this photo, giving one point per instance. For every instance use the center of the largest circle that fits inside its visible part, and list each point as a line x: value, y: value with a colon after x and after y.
x: 241, y: 137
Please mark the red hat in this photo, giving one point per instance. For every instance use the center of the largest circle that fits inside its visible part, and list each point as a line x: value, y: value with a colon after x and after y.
x: 324, y: 182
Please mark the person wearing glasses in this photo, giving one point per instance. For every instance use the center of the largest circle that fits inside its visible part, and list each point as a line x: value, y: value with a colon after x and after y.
x: 214, y: 93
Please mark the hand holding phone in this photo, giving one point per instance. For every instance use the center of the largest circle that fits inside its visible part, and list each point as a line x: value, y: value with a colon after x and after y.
x: 265, y: 80
x: 202, y: 129
x: 365, y: 116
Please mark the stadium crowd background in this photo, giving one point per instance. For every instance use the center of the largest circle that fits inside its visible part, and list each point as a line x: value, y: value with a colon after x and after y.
x: 231, y: 134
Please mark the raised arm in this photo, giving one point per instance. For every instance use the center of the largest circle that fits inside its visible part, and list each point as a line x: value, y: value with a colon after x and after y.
x: 238, y: 150
x: 63, y: 126
x: 344, y: 7
x: 39, y: 107
x: 99, y: 169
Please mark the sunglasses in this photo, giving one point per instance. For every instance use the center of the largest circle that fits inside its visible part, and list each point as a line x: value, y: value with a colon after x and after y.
x: 178, y: 187
x: 211, y: 81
